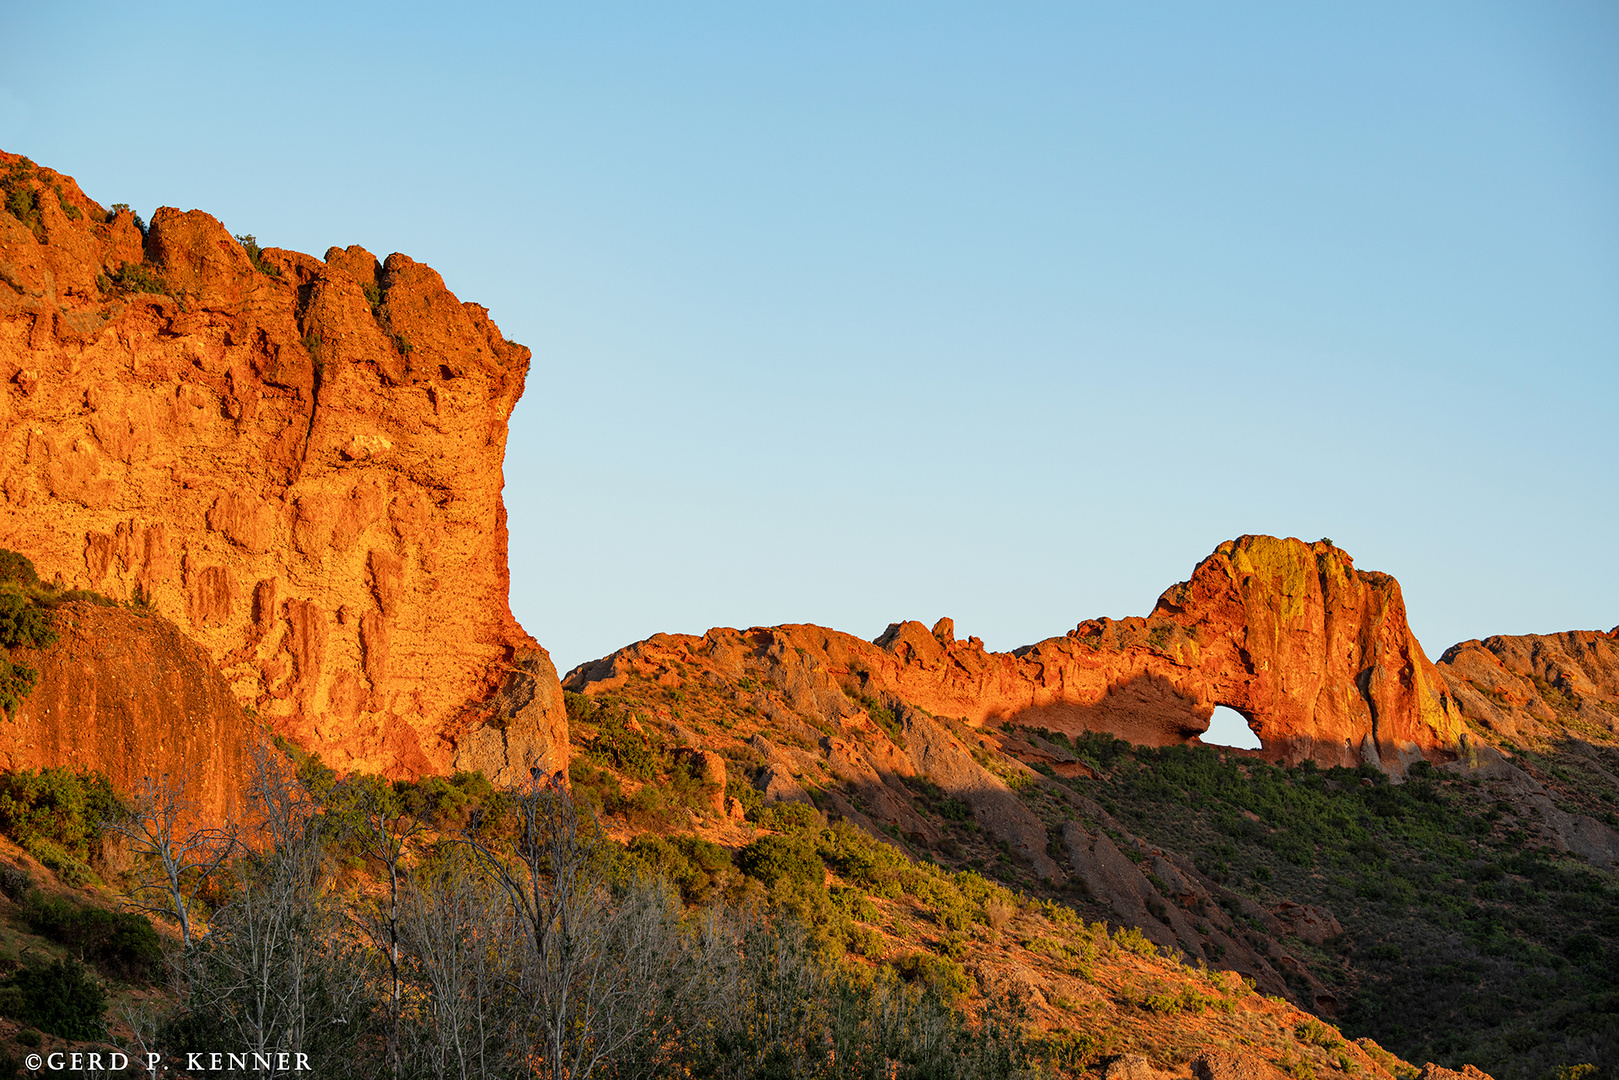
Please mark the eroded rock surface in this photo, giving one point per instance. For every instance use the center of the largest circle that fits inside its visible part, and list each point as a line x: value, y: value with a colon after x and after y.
x: 298, y: 461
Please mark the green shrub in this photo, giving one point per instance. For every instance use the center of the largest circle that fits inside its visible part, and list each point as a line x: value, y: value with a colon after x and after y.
x: 619, y: 746
x: 1133, y: 940
x: 862, y: 860
x: 1586, y: 1071
x: 17, y: 568
x: 689, y: 784
x: 651, y: 807
x: 1099, y: 750
x: 23, y: 623
x: 947, y: 977
x: 770, y: 859
x: 787, y: 816
x: 1160, y: 1003
x: 61, y: 998
x: 864, y: 941
x: 599, y: 788
x: 69, y: 871
x: 69, y: 211
x: 881, y: 715
x: 17, y: 681
x: 136, y: 278
x: 61, y: 806
x: 700, y: 869
x: 22, y: 202
x: 255, y: 255
x: 119, y: 943
x: 15, y: 882
x: 855, y: 903
x: 739, y: 785
x: 1316, y: 1033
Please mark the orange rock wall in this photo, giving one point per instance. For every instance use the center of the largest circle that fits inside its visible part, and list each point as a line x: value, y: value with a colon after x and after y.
x: 132, y: 696
x: 1316, y: 654
x: 302, y: 469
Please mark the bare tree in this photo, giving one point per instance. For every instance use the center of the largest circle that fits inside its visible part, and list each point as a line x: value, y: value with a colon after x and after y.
x: 457, y: 933
x: 383, y: 826
x: 594, y: 965
x: 174, y: 857
x: 278, y: 970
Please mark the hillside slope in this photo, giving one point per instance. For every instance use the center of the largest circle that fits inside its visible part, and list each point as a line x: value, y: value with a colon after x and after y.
x: 1384, y: 861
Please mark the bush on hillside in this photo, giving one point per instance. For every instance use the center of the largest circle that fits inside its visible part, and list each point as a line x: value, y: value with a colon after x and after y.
x: 61, y: 998
x: 57, y: 806
x: 771, y: 859
x: 17, y: 568
x: 122, y: 944
x: 700, y: 869
x: 23, y: 623
x: 17, y: 681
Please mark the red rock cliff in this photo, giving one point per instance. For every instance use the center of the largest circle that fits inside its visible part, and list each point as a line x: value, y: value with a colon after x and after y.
x: 1316, y: 654
x: 297, y: 461
x: 132, y: 696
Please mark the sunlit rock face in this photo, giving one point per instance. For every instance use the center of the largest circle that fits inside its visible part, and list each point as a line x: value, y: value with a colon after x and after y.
x: 297, y: 461
x: 126, y: 693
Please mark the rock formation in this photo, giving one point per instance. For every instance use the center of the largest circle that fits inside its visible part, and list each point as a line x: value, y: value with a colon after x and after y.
x: 1316, y: 654
x: 132, y: 696
x: 297, y: 461
x: 1543, y: 691
x: 1516, y: 688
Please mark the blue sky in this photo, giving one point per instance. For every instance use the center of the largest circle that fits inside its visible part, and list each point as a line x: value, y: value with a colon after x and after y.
x: 849, y: 313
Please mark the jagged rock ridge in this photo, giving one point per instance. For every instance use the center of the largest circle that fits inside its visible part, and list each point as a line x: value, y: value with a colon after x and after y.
x: 1316, y: 654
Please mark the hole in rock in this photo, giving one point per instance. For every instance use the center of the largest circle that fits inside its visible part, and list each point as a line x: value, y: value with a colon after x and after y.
x: 1228, y: 728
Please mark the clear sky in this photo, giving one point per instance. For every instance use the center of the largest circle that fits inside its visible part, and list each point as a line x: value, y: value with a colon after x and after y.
x: 851, y: 313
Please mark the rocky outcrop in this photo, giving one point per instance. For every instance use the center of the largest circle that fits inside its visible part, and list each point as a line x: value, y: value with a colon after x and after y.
x: 298, y: 461
x: 801, y: 680
x: 1555, y: 692
x: 132, y: 696
x: 1315, y: 653
x: 1522, y: 687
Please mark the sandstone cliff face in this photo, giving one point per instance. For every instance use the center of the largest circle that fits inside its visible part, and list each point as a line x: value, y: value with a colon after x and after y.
x: 1316, y: 654
x: 302, y: 468
x: 132, y: 696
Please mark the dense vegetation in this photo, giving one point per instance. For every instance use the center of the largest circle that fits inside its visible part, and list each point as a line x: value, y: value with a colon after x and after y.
x: 1465, y: 940
x: 524, y: 934
x: 57, y: 816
